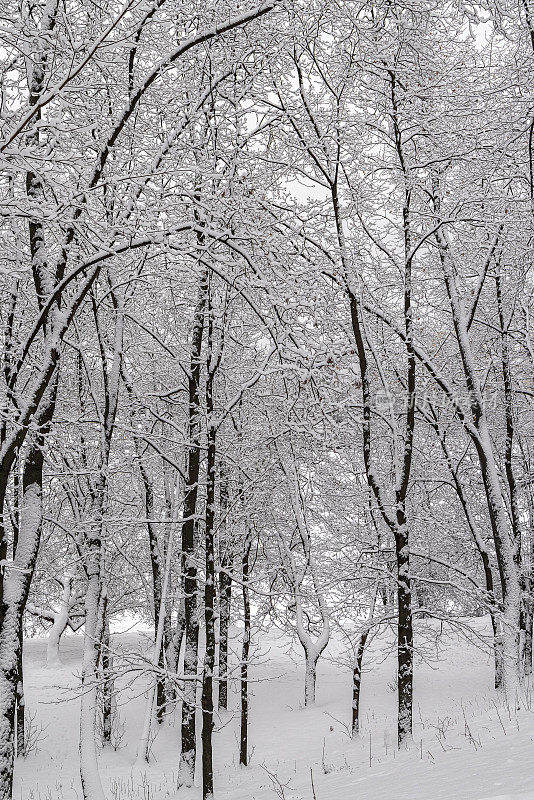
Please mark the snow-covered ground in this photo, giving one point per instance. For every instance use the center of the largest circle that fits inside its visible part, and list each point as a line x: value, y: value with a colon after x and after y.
x: 467, y: 745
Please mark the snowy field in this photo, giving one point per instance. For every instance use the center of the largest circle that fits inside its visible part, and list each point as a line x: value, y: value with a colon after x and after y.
x: 467, y: 746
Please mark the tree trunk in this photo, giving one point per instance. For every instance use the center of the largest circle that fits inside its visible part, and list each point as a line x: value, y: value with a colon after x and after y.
x: 186, y: 772
x: 527, y: 649
x: 482, y: 550
x: 61, y: 620
x: 21, y: 705
x: 16, y: 588
x: 89, y: 774
x: 209, y: 584
x: 20, y: 723
x: 511, y: 593
x: 225, y: 599
x: 157, y: 580
x: 528, y: 599
x: 243, y: 735
x: 497, y: 651
x: 15, y: 578
x: 405, y: 635
x: 357, y: 683
x: 95, y: 595
x: 312, y: 649
x: 156, y: 563
x: 224, y: 624
x: 186, y: 769
x: 172, y: 653
x: 514, y: 516
x: 107, y: 685
x: 209, y: 598
x: 225, y: 593
x: 310, y: 678
x: 504, y: 535
x: 144, y: 740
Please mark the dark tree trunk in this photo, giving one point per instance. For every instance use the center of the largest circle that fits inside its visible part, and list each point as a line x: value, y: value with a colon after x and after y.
x: 528, y: 598
x: 527, y: 648
x: 21, y: 708
x: 107, y: 685
x: 243, y: 737
x: 398, y: 524
x: 225, y: 603
x: 405, y: 633
x: 209, y: 618
x: 186, y: 772
x: 225, y: 597
x: 157, y: 582
x: 209, y: 584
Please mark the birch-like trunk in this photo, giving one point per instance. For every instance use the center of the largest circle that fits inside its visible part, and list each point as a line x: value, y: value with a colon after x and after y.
x: 404, y: 635
x: 108, y: 686
x: 357, y: 683
x: 310, y: 677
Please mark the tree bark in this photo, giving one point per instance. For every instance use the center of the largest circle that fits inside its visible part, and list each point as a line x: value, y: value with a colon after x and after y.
x: 107, y: 684
x: 172, y: 652
x: 186, y: 770
x: 506, y: 546
x: 61, y: 620
x: 397, y: 523
x: 357, y: 683
x: 245, y: 652
x: 20, y: 722
x: 310, y: 678
x: 404, y: 634
x: 527, y: 648
x: 16, y: 588
x: 89, y: 773
x: 209, y: 617
x: 225, y: 594
x: 95, y: 594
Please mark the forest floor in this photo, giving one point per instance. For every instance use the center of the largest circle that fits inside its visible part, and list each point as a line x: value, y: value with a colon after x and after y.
x: 467, y: 746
